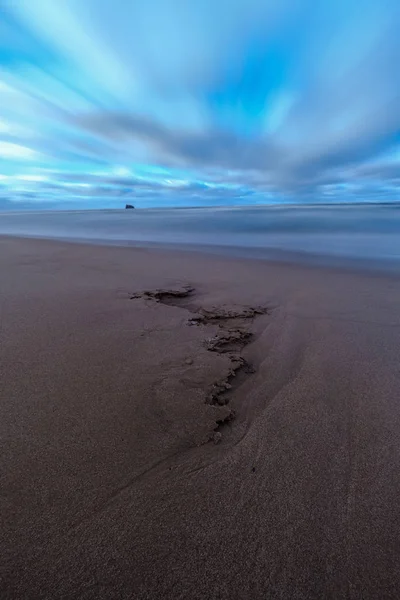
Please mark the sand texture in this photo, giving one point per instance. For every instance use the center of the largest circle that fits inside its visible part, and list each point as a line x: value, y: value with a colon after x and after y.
x: 179, y: 426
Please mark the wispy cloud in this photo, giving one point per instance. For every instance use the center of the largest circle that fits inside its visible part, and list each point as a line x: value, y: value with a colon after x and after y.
x: 247, y: 99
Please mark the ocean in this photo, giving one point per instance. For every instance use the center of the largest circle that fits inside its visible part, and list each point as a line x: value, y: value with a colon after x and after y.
x: 366, y: 234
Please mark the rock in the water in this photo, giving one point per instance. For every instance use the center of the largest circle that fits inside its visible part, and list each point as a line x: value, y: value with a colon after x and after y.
x: 129, y: 206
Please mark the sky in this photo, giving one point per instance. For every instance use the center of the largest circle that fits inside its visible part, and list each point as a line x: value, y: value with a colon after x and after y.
x: 198, y: 102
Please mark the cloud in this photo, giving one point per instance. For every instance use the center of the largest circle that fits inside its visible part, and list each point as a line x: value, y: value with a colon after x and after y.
x: 210, y: 147
x: 247, y: 99
x: 12, y: 151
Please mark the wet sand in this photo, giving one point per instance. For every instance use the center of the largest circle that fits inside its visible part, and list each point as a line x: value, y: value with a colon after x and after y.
x: 183, y: 426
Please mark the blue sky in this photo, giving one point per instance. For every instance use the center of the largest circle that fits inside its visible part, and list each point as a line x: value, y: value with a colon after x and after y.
x: 198, y: 102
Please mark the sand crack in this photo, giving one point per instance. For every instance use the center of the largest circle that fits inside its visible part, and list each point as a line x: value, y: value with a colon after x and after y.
x: 232, y: 335
x: 170, y: 297
x: 211, y: 315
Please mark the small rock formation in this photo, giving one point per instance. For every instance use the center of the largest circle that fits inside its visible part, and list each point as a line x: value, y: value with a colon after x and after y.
x: 129, y: 206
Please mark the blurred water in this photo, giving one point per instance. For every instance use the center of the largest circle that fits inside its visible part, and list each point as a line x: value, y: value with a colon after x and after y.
x: 340, y: 232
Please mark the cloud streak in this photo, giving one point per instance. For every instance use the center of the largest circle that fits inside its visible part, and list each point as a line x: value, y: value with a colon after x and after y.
x: 198, y: 102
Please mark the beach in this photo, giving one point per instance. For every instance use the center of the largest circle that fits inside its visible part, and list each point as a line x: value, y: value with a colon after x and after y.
x: 179, y: 425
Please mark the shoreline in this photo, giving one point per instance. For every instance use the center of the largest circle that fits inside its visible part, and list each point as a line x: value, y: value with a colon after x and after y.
x: 308, y: 260
x: 361, y: 238
x: 181, y: 425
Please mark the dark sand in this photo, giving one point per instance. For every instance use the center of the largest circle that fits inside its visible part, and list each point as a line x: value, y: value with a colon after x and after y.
x: 110, y: 487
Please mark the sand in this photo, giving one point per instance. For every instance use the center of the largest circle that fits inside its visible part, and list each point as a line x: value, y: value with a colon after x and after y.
x: 189, y: 427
